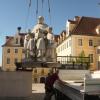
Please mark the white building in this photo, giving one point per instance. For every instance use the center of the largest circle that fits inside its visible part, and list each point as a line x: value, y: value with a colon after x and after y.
x: 82, y: 34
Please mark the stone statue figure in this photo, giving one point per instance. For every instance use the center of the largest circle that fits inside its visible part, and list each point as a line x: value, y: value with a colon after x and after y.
x: 39, y: 30
x: 50, y: 35
x: 50, y: 54
x: 41, y: 44
x: 26, y: 40
x: 40, y: 25
x: 31, y: 46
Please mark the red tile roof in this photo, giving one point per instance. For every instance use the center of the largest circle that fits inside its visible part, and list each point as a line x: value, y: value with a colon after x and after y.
x: 86, y: 26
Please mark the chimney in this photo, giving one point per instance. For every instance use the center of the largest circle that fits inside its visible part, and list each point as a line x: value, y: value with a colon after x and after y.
x: 77, y: 18
x: 7, y: 38
x: 18, y: 29
x: 29, y: 30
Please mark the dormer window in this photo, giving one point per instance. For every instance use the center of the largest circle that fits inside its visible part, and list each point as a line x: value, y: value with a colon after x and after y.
x: 98, y: 29
x: 16, y: 40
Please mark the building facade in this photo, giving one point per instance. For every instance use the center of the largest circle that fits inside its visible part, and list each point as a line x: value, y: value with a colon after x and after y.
x: 13, y: 51
x: 82, y: 34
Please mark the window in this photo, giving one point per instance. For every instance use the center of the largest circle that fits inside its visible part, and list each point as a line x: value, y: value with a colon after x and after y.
x: 98, y: 42
x: 16, y: 50
x: 42, y: 71
x: 91, y: 58
x: 23, y: 51
x: 35, y: 80
x: 80, y: 42
x: 16, y: 41
x: 8, y: 60
x: 63, y: 47
x: 8, y: 50
x: 90, y: 42
x: 58, y: 50
x: 69, y: 42
x: 98, y: 65
x: 98, y: 51
x: 35, y: 71
x: 21, y: 42
x: 16, y: 60
x: 98, y: 29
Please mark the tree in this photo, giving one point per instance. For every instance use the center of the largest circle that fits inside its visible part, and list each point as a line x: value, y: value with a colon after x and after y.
x: 82, y: 58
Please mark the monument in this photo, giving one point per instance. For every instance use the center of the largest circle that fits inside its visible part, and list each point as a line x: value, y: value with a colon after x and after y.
x: 39, y: 47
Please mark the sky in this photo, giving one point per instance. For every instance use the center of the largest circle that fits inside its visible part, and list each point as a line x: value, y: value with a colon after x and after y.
x: 15, y: 13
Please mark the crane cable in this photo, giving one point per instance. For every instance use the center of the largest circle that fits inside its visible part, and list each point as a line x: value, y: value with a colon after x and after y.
x: 42, y: 6
x: 49, y: 10
x: 37, y: 10
x: 28, y: 13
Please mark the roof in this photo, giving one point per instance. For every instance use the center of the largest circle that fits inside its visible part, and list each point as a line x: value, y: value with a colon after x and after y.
x: 9, y: 40
x: 83, y: 26
x: 86, y: 26
x: 62, y: 32
x: 56, y: 38
x: 22, y: 34
x: 73, y: 22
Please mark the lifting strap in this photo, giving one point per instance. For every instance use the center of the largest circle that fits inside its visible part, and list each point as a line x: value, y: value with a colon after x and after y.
x: 28, y: 13
x: 42, y: 6
x: 30, y: 3
x: 37, y: 10
x: 49, y: 10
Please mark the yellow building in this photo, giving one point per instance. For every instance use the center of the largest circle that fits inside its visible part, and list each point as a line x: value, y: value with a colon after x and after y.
x: 13, y: 51
x: 82, y: 34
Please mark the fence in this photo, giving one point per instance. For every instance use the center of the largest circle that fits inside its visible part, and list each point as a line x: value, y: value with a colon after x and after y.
x: 74, y: 62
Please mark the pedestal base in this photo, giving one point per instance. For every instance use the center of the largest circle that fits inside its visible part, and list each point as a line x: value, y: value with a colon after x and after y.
x: 38, y: 64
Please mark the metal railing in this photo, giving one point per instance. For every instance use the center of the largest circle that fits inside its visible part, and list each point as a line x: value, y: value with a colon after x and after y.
x: 74, y: 62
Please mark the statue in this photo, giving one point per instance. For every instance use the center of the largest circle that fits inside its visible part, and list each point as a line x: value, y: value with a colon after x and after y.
x: 31, y: 46
x: 27, y: 37
x: 41, y: 43
x: 40, y: 25
x: 51, y: 45
x: 39, y: 46
x: 50, y: 36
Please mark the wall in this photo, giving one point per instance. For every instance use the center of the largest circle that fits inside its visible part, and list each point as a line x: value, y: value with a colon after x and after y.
x: 76, y: 49
x: 12, y: 55
x: 15, y: 84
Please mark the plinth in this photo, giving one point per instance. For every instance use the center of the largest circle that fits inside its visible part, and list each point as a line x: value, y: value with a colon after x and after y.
x: 30, y: 64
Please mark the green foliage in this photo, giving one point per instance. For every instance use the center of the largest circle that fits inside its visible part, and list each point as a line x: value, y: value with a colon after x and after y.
x: 82, y: 58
